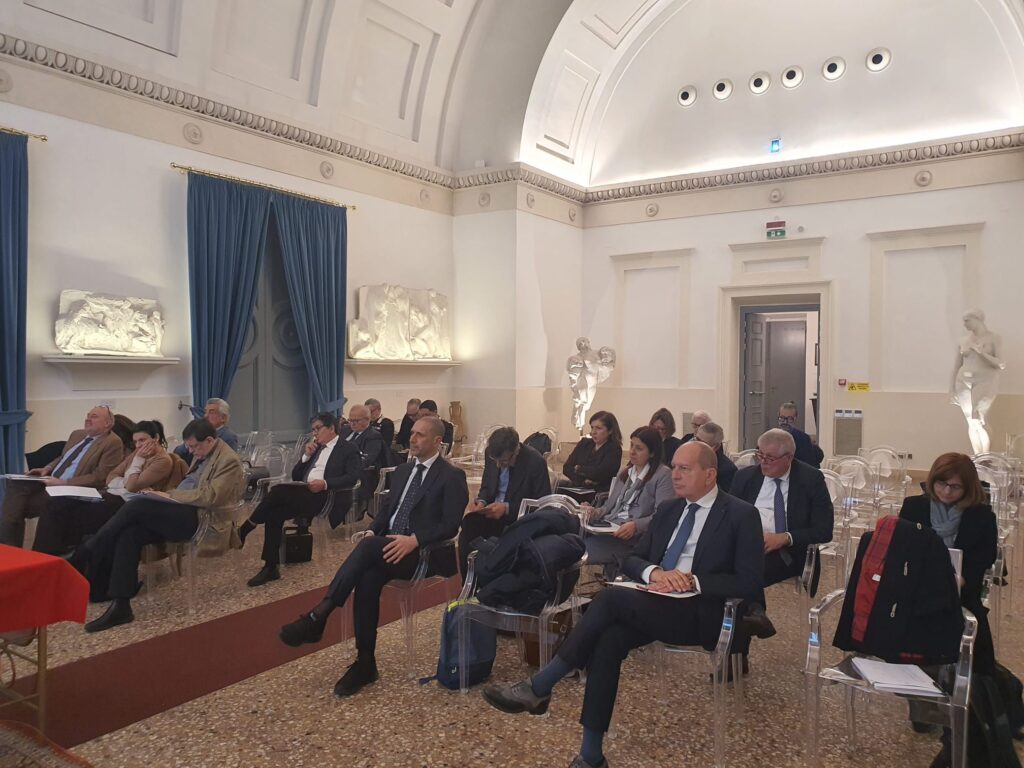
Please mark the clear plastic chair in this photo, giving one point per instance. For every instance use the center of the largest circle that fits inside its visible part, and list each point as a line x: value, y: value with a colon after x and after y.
x: 552, y: 434
x: 747, y: 458
x: 999, y: 476
x: 474, y: 461
x: 860, y: 480
x: 380, y: 493
x: 512, y: 620
x: 949, y: 709
x: 845, y: 518
x: 889, y: 470
x: 346, y: 499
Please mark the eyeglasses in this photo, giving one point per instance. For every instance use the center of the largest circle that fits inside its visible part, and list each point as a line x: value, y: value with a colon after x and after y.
x: 318, y: 427
x: 942, y: 485
x: 764, y: 458
x: 787, y: 419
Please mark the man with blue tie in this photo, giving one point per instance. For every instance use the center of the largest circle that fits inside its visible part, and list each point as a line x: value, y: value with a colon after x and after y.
x: 424, y: 507
x: 706, y: 543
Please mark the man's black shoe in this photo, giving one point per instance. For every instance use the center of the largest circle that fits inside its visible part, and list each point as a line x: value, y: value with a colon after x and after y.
x: 244, y: 530
x: 757, y: 623
x: 303, y: 630
x: 119, y: 612
x: 360, y: 674
x: 267, y: 574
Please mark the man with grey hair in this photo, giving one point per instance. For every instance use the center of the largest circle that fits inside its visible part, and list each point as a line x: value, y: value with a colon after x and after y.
x: 218, y: 413
x: 713, y: 436
x: 382, y: 424
x: 699, y: 419
x: 806, y: 451
x: 795, y: 509
x: 371, y: 445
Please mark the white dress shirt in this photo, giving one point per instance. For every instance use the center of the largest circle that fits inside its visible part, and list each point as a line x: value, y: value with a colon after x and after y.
x: 765, y: 502
x: 316, y: 472
x: 685, y: 562
x: 427, y: 464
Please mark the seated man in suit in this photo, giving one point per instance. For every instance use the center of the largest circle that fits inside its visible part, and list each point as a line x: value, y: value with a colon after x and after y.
x: 429, y: 408
x: 375, y: 452
x: 327, y: 463
x: 89, y: 455
x: 713, y: 436
x: 424, y: 507
x: 218, y: 413
x: 111, y: 557
x: 795, y: 513
x: 706, y: 542
x: 512, y: 472
x: 412, y: 410
x: 806, y: 451
x: 699, y: 419
x: 381, y: 423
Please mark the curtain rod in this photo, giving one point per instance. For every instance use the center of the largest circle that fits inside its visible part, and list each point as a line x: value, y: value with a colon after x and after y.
x: 249, y: 182
x: 16, y: 132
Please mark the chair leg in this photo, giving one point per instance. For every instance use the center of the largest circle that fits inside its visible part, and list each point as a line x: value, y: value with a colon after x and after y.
x: 720, y: 666
x: 812, y: 716
x: 958, y: 741
x: 408, y: 607
x: 850, y: 695
x: 661, y: 662
x: 192, y: 557
x: 736, y: 660
x: 463, y: 633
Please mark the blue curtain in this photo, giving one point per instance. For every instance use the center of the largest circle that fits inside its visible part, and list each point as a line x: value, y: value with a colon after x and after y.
x: 13, y: 271
x: 314, y: 251
x: 227, y: 230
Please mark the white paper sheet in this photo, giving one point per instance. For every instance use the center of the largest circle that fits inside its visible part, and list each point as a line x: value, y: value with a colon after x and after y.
x: 643, y: 588
x: 74, y: 492
x: 896, y: 678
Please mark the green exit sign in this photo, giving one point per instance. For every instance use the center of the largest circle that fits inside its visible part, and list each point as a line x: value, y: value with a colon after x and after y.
x: 774, y: 234
x: 775, y: 229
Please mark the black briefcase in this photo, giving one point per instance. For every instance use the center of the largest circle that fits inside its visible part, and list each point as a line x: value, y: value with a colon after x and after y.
x: 298, y: 545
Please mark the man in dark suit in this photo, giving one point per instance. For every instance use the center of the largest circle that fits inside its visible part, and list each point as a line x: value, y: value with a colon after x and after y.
x: 381, y: 423
x: 412, y: 409
x: 706, y: 542
x: 371, y: 445
x: 512, y: 472
x: 713, y: 436
x: 795, y: 512
x: 429, y: 408
x: 328, y: 463
x: 699, y: 419
x: 806, y: 451
x: 424, y: 507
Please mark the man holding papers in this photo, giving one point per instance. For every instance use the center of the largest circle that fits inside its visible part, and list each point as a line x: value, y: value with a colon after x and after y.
x: 706, y: 542
x: 88, y: 457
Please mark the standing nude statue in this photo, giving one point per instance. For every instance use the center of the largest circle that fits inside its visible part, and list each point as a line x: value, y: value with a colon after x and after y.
x: 586, y: 370
x: 976, y: 377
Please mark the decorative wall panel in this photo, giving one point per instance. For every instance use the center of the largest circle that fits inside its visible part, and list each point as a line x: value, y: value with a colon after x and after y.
x: 153, y: 23
x: 566, y: 106
x: 612, y: 20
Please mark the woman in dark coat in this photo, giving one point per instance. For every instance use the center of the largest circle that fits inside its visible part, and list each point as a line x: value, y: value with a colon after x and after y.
x: 954, y: 505
x: 596, y: 459
x: 663, y: 421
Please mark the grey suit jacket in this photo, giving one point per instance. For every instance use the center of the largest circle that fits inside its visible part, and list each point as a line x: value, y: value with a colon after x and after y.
x: 656, y: 491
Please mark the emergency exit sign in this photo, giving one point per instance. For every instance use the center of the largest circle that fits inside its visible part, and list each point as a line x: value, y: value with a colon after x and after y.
x: 775, y: 229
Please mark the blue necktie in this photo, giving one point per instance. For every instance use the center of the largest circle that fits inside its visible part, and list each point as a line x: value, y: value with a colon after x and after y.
x: 780, y: 507
x: 401, y: 525
x: 675, y: 549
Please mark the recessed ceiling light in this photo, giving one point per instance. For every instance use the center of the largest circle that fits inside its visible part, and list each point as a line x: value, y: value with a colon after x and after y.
x: 760, y: 81
x: 687, y: 95
x: 878, y: 59
x: 833, y: 68
x: 792, y: 77
x: 722, y: 89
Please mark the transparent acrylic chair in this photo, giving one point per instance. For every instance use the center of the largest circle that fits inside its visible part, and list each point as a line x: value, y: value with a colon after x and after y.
x: 999, y: 476
x: 860, y: 481
x: 892, y: 483
x: 552, y: 435
x: 949, y: 710
x: 339, y: 500
x: 509, y: 619
x: 233, y: 513
x: 845, y: 518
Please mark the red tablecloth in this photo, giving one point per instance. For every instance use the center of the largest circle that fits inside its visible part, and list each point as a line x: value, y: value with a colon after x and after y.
x: 38, y: 589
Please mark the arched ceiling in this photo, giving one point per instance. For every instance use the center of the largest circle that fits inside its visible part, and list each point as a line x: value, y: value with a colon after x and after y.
x: 604, y: 108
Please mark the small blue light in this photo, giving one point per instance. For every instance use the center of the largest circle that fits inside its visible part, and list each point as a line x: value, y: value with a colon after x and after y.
x: 776, y: 145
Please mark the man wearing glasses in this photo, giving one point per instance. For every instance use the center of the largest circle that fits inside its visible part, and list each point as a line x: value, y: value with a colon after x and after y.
x: 806, y: 451
x: 512, y: 472
x: 796, y: 512
x: 327, y: 463
x: 371, y: 445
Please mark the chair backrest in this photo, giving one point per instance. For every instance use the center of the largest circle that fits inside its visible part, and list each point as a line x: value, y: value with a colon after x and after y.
x: 557, y: 500
x: 273, y: 457
x: 836, y: 488
x: 856, y: 473
x: 889, y: 465
x: 1015, y: 446
x: 1000, y: 475
x: 747, y: 458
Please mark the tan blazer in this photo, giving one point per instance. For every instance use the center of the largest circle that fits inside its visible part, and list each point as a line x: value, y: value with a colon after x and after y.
x: 157, y: 473
x: 100, y: 458
x: 220, y: 488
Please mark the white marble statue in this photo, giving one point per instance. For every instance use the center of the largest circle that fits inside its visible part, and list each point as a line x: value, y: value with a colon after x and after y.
x: 99, y: 324
x: 586, y: 370
x: 976, y: 377
x: 396, y: 323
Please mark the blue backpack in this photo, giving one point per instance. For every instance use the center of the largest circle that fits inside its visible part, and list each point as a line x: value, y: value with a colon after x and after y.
x: 481, y: 648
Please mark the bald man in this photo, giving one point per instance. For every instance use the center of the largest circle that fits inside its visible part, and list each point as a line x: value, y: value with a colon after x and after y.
x: 370, y: 442
x: 89, y: 455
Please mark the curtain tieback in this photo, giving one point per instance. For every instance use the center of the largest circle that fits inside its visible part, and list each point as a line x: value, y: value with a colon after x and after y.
x: 10, y: 418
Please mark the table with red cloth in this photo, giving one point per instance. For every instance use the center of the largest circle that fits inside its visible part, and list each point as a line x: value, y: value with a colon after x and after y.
x: 35, y: 590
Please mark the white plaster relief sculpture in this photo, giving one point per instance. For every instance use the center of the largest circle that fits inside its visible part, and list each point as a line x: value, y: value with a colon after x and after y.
x: 99, y: 324
x: 976, y: 377
x: 586, y: 370
x: 396, y: 323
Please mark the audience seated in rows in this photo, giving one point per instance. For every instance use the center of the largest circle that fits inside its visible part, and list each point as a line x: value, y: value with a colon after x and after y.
x: 636, y: 492
x: 713, y: 436
x: 427, y: 501
x: 795, y: 512
x: 699, y: 419
x: 512, y: 472
x: 89, y: 456
x: 704, y: 541
x: 381, y: 423
x: 218, y: 413
x: 412, y: 410
x: 65, y: 522
x: 663, y: 421
x: 596, y: 459
x: 428, y: 409
x: 806, y: 450
x: 327, y: 462
x: 110, y: 559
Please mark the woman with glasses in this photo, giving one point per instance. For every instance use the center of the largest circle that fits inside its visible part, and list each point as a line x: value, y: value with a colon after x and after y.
x: 596, y: 459
x: 665, y: 424
x: 955, y: 507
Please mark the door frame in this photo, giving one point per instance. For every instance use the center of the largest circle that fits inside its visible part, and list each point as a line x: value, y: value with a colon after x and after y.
x: 733, y: 300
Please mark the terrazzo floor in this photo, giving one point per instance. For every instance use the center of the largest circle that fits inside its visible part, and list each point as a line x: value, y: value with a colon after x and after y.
x: 288, y: 716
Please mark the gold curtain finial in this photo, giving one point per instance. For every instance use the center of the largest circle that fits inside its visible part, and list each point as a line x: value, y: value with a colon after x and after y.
x: 16, y: 132
x: 261, y: 185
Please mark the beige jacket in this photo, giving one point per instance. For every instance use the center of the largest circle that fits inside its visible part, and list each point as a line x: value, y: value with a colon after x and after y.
x: 219, y: 491
x: 100, y: 458
x: 160, y: 472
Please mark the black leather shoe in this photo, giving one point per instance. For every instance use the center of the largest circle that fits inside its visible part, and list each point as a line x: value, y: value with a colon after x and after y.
x: 119, y: 612
x: 244, y: 530
x: 757, y: 623
x: 579, y: 762
x: 360, y: 674
x: 267, y: 574
x: 516, y: 698
x: 302, y: 630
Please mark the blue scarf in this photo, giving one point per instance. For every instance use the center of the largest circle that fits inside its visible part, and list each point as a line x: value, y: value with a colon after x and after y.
x: 946, y: 521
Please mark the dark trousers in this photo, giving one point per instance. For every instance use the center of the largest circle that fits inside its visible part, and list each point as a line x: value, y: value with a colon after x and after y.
x: 117, y: 547
x: 64, y: 523
x: 365, y: 572
x: 616, y: 622
x: 23, y: 499
x: 475, y: 526
x: 285, y: 502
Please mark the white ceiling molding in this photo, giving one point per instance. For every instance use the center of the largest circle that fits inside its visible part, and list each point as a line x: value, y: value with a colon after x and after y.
x: 154, y: 25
